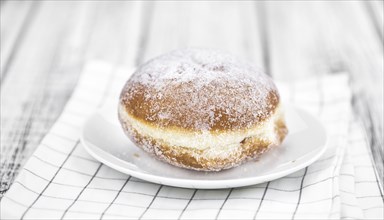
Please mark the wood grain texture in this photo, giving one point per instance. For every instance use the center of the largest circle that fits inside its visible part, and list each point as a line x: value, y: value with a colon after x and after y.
x: 317, y: 38
x: 45, y: 44
x: 47, y: 65
x: 13, y: 29
x: 375, y: 12
x: 228, y: 26
x: 28, y: 87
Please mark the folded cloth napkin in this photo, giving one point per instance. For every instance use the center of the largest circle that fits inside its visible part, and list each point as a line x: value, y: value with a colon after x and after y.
x: 61, y: 181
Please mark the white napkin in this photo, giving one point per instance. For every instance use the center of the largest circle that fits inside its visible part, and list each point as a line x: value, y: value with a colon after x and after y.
x: 61, y: 181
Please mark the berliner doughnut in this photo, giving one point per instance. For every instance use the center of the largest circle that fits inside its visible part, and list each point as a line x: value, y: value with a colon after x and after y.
x: 202, y: 110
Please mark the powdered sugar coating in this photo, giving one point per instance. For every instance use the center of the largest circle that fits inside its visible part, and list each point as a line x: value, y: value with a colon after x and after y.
x: 200, y: 90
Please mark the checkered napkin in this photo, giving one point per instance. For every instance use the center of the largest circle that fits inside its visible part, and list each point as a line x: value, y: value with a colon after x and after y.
x: 61, y: 181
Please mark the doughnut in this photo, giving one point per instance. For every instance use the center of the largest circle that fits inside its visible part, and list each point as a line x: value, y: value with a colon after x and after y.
x: 201, y: 109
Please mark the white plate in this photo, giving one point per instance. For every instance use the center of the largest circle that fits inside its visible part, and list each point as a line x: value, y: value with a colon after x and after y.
x: 104, y: 139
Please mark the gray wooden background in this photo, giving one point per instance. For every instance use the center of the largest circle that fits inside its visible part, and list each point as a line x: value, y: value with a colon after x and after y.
x: 45, y: 44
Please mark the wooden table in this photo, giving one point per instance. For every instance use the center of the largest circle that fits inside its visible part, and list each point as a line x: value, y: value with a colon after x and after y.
x: 45, y: 44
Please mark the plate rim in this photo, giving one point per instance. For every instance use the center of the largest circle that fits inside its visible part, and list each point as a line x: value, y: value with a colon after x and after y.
x: 202, y: 184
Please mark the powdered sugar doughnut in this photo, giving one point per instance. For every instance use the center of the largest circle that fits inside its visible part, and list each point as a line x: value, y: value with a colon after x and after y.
x: 202, y: 110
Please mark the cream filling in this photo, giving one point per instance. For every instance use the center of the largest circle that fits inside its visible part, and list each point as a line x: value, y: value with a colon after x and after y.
x: 203, y: 140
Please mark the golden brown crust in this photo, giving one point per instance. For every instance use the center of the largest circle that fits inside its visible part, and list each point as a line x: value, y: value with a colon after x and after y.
x: 198, y: 159
x: 198, y: 92
x: 133, y: 98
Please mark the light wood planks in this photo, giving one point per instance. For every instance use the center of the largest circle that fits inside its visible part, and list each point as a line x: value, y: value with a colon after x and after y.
x: 229, y: 26
x: 46, y: 65
x: 13, y: 29
x: 26, y: 86
x: 44, y: 45
x: 312, y: 38
x: 375, y: 10
x: 116, y: 32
